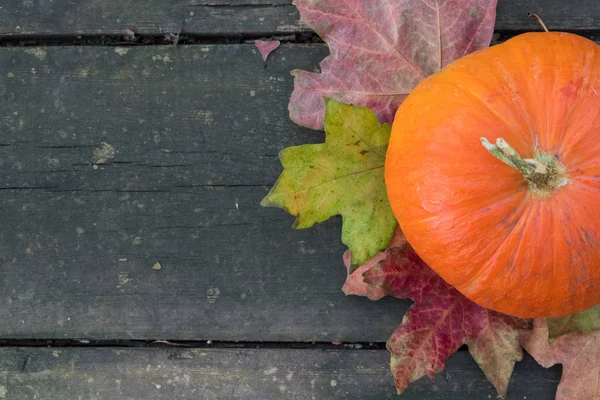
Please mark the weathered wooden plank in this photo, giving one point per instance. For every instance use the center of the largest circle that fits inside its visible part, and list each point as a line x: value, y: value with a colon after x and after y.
x: 558, y: 15
x: 190, y: 138
x: 149, y: 17
x: 112, y: 160
x: 232, y: 17
x: 108, y: 373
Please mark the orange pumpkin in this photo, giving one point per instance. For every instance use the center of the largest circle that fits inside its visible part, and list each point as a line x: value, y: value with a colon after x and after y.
x: 513, y: 226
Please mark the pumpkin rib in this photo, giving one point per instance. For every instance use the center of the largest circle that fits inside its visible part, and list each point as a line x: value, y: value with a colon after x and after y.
x: 465, y: 81
x: 571, y: 212
x: 477, y: 206
x: 499, y: 118
x: 567, y: 264
x: 525, y: 210
x: 555, y: 246
x: 549, y: 115
x: 521, y: 242
x: 464, y: 286
x: 483, y: 242
x: 575, y: 159
x: 549, y: 107
x: 579, y: 98
x: 589, y: 183
x: 529, y: 271
x: 536, y: 91
x: 583, y: 165
x: 581, y: 73
x: 587, y: 71
x: 522, y: 108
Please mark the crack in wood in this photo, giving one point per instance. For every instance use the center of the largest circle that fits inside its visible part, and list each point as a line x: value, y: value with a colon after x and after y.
x: 25, y: 364
x: 241, y: 5
x: 187, y: 344
x: 302, y: 36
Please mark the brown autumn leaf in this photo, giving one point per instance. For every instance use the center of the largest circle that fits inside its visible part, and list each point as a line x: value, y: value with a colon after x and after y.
x: 579, y: 354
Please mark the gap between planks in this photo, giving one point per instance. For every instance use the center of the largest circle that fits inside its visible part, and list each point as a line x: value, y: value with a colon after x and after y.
x: 191, y: 344
x: 184, y: 39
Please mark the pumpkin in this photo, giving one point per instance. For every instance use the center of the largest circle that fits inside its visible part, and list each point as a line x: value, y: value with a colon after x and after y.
x: 493, y: 172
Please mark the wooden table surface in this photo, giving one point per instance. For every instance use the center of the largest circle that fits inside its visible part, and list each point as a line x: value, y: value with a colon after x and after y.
x: 115, y: 156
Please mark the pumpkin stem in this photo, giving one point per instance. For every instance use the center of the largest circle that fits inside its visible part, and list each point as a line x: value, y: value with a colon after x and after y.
x: 543, y: 173
x: 539, y: 20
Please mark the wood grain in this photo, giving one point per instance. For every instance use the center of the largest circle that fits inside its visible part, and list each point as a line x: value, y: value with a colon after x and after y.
x: 263, y: 374
x: 114, y: 160
x: 229, y: 18
x: 148, y: 17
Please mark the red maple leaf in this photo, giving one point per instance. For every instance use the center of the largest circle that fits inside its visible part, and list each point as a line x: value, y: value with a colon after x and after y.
x: 354, y: 282
x: 579, y: 353
x: 381, y: 49
x: 440, y: 321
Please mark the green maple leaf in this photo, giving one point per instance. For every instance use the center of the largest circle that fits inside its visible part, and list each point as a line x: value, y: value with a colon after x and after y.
x: 585, y: 321
x: 343, y: 176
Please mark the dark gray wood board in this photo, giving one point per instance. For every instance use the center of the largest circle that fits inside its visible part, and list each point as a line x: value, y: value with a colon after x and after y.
x: 216, y: 18
x: 144, y: 374
x: 149, y: 17
x: 558, y: 15
x: 115, y: 159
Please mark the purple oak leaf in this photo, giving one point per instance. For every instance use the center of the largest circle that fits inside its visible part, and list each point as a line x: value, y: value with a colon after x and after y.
x: 381, y: 49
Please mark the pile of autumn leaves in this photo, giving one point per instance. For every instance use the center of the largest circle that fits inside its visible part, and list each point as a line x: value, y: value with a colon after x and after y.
x: 380, y: 50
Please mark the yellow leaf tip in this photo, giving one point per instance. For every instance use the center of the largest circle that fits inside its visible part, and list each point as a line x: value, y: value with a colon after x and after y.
x: 266, y: 202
